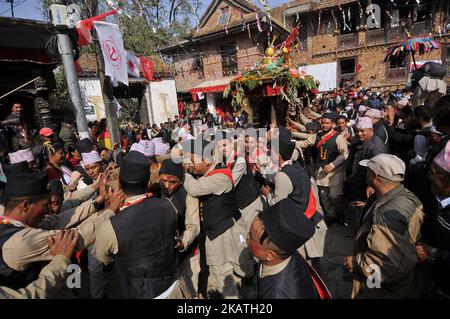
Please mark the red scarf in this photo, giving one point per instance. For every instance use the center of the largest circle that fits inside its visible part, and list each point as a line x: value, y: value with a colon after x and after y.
x: 326, y: 138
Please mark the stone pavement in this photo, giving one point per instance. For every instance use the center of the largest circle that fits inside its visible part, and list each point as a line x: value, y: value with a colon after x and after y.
x: 338, y: 244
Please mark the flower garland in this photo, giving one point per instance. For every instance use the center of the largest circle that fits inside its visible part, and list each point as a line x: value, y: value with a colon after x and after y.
x: 276, y: 70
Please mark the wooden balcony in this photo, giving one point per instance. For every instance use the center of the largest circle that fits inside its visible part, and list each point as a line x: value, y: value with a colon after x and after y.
x: 396, y: 74
x: 396, y: 34
x: 347, y: 41
x: 375, y: 36
x: 420, y: 28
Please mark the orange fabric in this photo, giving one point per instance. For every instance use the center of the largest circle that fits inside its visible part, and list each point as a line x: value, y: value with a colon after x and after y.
x: 326, y: 138
x: 224, y: 171
x: 312, y: 205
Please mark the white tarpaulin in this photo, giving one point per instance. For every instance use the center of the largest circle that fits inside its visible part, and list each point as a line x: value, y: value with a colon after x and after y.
x: 325, y: 73
x: 91, y: 92
x: 420, y: 63
x: 162, y: 101
x: 114, y: 54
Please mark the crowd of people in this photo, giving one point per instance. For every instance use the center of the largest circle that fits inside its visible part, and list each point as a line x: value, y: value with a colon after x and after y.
x: 194, y: 209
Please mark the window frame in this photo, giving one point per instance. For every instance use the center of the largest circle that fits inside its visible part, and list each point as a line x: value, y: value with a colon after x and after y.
x: 354, y: 69
x: 229, y: 57
x: 223, y: 14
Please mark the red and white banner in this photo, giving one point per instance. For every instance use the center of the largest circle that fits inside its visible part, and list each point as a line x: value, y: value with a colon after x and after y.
x: 133, y: 65
x: 147, y: 68
x: 114, y: 55
x: 84, y: 27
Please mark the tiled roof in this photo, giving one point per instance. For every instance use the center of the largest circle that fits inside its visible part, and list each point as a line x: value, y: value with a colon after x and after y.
x: 323, y: 4
x: 316, y: 4
x: 248, y: 18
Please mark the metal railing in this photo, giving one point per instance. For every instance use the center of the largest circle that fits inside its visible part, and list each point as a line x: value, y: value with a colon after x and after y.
x: 346, y: 41
x: 396, y: 74
x: 420, y: 28
x: 395, y: 34
x: 375, y: 36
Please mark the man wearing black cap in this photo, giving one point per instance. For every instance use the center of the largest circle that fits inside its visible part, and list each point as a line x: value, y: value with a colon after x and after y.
x: 292, y: 181
x: 221, y: 244
x: 248, y: 195
x: 22, y: 245
x: 141, y: 239
x: 329, y: 155
x: 171, y: 177
x: 275, y: 236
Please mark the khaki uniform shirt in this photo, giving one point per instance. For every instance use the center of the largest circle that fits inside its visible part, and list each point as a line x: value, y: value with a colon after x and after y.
x: 49, y: 283
x: 228, y: 247
x: 74, y: 199
x: 337, y: 175
x: 31, y: 244
x: 283, y: 187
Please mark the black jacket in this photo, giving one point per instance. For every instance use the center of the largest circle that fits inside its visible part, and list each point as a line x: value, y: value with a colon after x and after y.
x: 293, y: 282
x: 358, y: 152
x: 436, y: 232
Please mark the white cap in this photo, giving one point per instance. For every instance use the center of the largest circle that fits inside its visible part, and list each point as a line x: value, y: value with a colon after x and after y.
x: 144, y: 148
x: 362, y: 108
x: 90, y: 158
x: 364, y: 123
x: 373, y: 113
x: 149, y: 147
x: 21, y: 156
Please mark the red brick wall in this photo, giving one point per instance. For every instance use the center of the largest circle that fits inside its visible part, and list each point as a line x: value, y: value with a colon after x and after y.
x: 322, y: 49
x: 247, y: 55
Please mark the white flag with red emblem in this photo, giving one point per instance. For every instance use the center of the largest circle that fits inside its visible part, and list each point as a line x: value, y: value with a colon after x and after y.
x: 114, y: 54
x: 133, y: 64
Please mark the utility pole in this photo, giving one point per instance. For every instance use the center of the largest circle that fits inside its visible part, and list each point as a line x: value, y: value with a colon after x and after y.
x: 66, y: 50
x: 12, y: 8
x: 107, y: 88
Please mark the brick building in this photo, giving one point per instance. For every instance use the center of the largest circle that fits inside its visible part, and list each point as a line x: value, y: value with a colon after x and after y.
x: 228, y: 39
x: 345, y: 33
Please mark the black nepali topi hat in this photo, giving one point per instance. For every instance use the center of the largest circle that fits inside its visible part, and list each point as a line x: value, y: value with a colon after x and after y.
x: 17, y: 168
x: 286, y: 226
x: 170, y: 168
x: 134, y: 168
x: 24, y: 185
x: 84, y: 146
x: 56, y: 188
